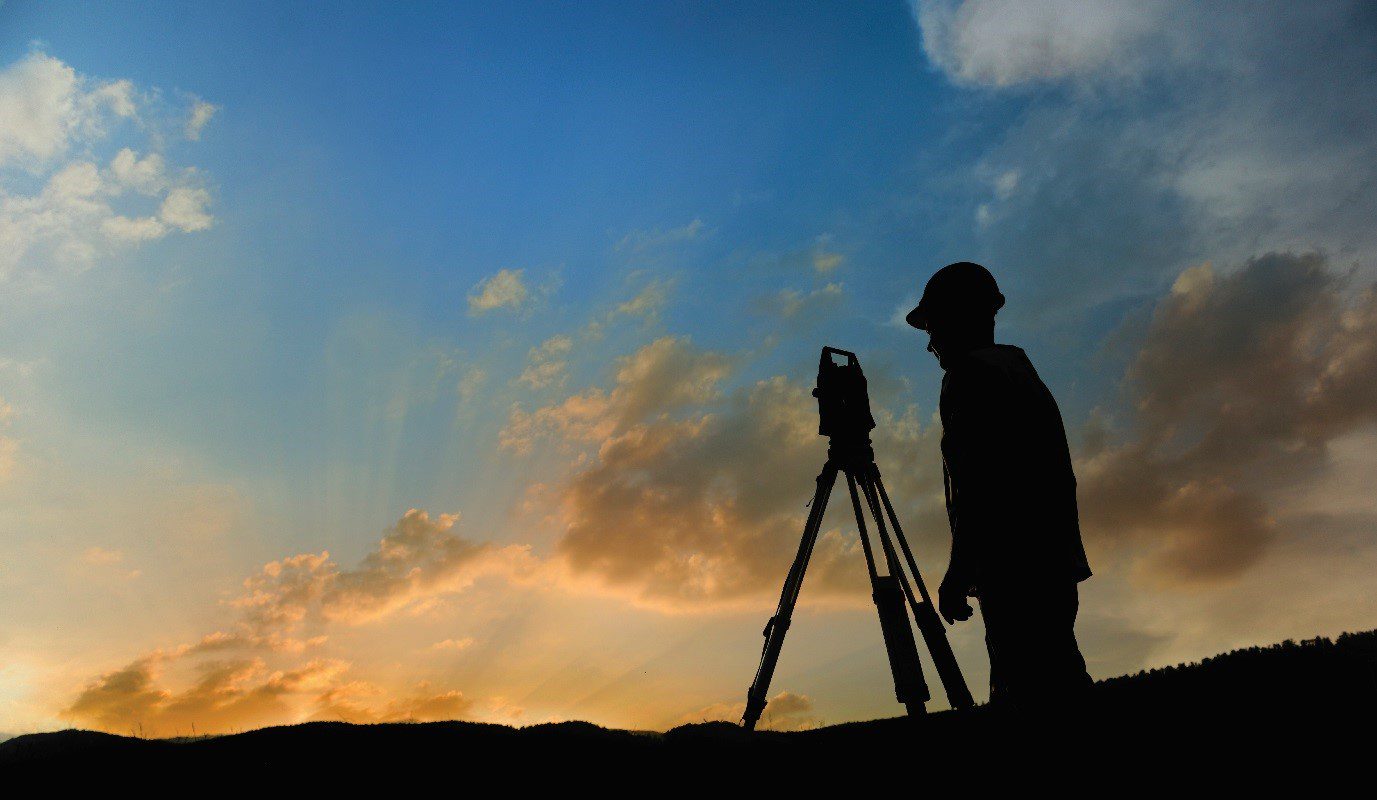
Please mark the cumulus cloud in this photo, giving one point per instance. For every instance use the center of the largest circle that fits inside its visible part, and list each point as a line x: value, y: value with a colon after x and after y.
x: 666, y: 375
x: 132, y: 229
x: 683, y: 495
x: 1178, y: 135
x: 45, y: 105
x: 185, y: 208
x: 1007, y: 42
x: 236, y: 693
x: 196, y: 121
x: 505, y: 289
x: 349, y: 703
x: 147, y: 175
x: 546, y: 365
x: 795, y: 304
x: 225, y: 695
x: 470, y: 382
x: 824, y: 259
x: 420, y: 557
x: 59, y: 210
x: 820, y: 256
x: 785, y: 711
x: 646, y: 303
x: 254, y: 674
x: 1241, y: 383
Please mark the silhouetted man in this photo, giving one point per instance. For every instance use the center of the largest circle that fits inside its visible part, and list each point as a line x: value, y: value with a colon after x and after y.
x: 1011, y: 495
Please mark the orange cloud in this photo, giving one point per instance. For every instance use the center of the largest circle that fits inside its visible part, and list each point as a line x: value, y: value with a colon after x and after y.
x: 682, y: 496
x: 228, y: 694
x: 252, y: 675
x: 1240, y: 384
x: 785, y: 711
x: 423, y: 705
x: 417, y: 559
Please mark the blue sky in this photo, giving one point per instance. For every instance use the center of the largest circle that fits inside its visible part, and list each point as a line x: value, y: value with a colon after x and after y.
x: 563, y: 269
x: 381, y: 164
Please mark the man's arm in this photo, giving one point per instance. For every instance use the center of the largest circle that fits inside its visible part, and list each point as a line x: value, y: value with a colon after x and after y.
x: 971, y: 456
x: 956, y: 584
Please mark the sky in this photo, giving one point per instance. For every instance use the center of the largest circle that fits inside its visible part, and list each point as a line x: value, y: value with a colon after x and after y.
x: 377, y: 362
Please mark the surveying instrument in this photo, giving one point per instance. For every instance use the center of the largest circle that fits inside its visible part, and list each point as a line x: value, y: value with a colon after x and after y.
x: 844, y: 417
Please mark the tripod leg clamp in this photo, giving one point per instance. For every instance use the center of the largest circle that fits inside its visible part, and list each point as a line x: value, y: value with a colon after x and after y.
x: 775, y: 621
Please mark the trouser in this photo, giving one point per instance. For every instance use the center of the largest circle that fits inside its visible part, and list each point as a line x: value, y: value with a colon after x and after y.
x: 1030, y: 632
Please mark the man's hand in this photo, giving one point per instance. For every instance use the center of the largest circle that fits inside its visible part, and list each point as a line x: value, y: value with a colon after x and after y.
x: 951, y: 601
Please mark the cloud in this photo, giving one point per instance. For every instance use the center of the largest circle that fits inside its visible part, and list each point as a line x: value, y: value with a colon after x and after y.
x: 1005, y: 43
x: 200, y: 115
x: 682, y: 496
x: 147, y: 175
x: 423, y: 705
x: 119, y: 700
x: 226, y: 695
x: 505, y: 289
x: 185, y: 208
x: 417, y: 559
x: 253, y: 674
x: 45, y: 105
x: 824, y: 259
x: 646, y: 303
x: 107, y: 562
x: 1197, y: 139
x: 1241, y: 383
x: 546, y: 365
x: 453, y: 644
x: 819, y: 257
x: 470, y: 382
x: 663, y: 376
x: 58, y: 210
x: 640, y: 242
x: 99, y: 555
x: 785, y: 711
x: 131, y: 230
x: 794, y: 304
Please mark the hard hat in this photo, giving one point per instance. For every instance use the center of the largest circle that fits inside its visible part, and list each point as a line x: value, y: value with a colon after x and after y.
x: 962, y: 288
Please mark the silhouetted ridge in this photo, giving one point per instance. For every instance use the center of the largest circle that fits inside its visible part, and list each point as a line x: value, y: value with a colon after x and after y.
x: 1318, y: 670
x: 1249, y: 713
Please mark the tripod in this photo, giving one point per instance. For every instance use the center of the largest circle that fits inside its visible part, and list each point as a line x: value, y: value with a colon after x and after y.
x: 844, y: 409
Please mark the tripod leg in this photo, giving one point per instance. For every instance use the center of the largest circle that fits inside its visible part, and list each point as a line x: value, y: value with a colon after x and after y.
x: 891, y: 557
x: 756, y: 696
x: 861, y: 531
x: 909, y: 687
x: 929, y: 624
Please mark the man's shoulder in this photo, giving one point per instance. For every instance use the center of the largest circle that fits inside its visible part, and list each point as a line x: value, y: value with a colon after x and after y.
x: 968, y: 383
x: 983, y: 365
x: 1000, y: 355
x: 986, y: 374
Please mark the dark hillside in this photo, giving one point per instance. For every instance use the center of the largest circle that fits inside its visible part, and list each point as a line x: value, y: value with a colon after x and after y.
x: 1246, y: 716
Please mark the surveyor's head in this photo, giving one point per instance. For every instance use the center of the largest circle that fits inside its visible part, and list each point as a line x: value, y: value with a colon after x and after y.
x: 958, y: 309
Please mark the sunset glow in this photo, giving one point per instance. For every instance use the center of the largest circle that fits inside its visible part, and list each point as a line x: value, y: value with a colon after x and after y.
x: 452, y: 361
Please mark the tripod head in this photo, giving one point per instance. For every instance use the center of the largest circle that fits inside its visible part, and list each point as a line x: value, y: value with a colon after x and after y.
x: 843, y: 400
